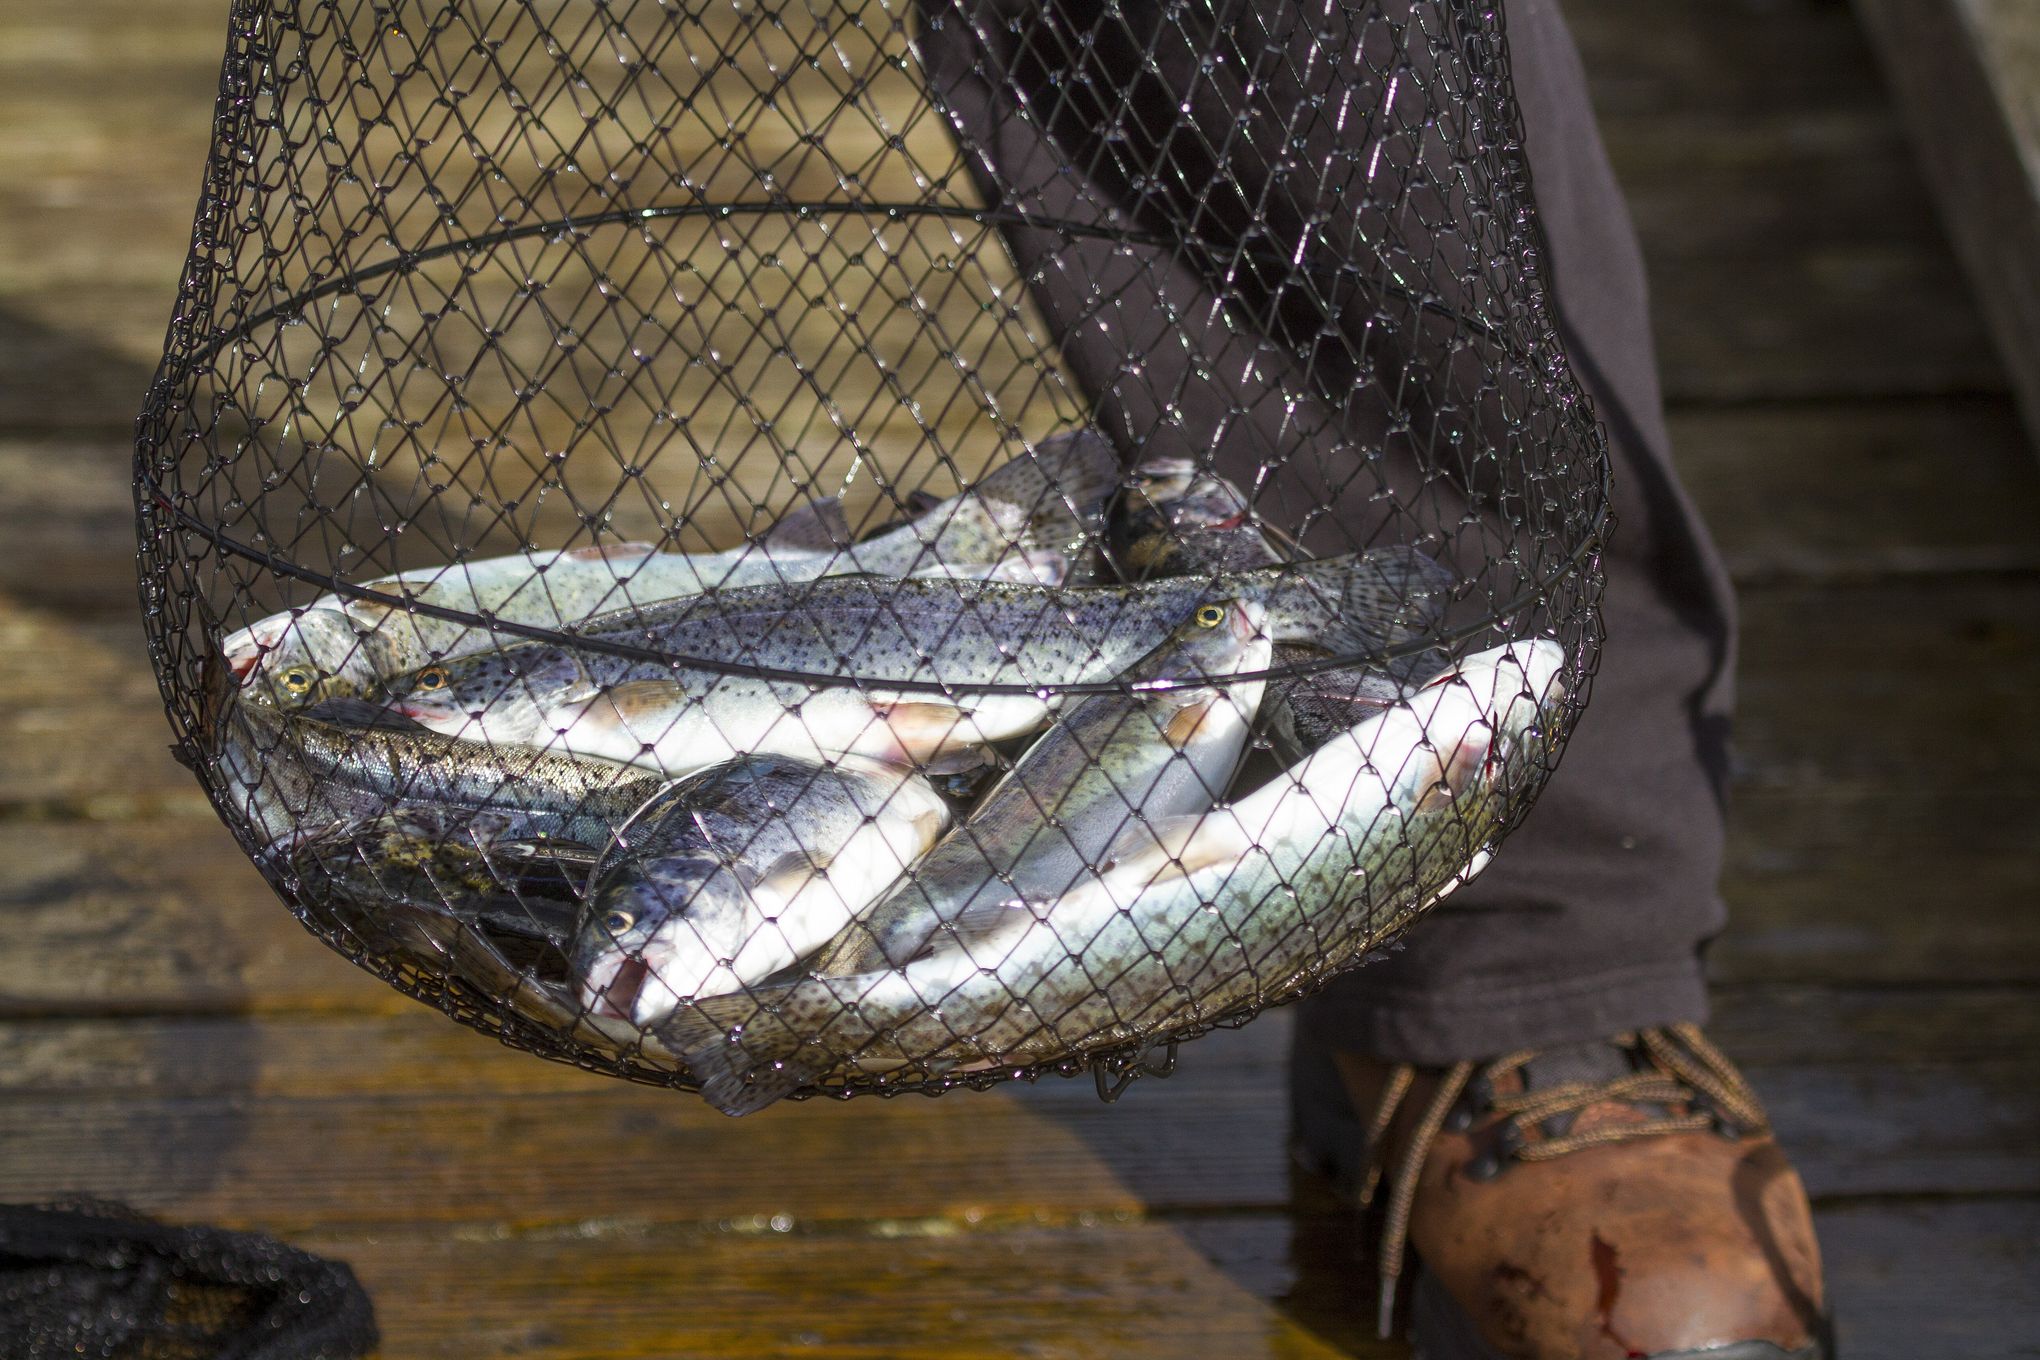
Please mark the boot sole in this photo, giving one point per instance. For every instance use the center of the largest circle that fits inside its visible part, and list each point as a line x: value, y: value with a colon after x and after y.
x: 1441, y: 1330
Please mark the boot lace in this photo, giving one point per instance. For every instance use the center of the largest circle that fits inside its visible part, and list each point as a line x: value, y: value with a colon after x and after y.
x: 1684, y: 1072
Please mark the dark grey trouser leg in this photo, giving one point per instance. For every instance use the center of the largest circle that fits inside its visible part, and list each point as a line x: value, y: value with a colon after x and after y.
x: 1592, y: 917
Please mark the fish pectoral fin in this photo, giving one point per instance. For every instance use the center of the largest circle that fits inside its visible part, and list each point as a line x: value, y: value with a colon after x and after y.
x: 778, y: 881
x: 978, y: 928
x: 928, y: 728
x: 1177, y: 847
x: 740, y: 1053
x: 636, y: 700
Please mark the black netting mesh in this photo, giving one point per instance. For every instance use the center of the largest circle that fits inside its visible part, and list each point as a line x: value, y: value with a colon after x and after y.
x: 98, y: 1281
x: 778, y: 547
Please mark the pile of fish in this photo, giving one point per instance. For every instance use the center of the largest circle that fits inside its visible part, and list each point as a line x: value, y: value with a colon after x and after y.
x: 1004, y: 784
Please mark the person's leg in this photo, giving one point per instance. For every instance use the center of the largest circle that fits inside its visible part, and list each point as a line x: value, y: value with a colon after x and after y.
x: 1591, y: 918
x: 1295, y: 156
x: 1569, y: 1194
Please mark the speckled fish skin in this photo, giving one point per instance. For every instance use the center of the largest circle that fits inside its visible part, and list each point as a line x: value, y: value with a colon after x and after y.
x: 294, y: 777
x: 1189, y: 920
x: 880, y: 633
x: 735, y: 873
x: 1110, y: 761
x: 1176, y: 520
x: 980, y: 632
x: 1027, y: 521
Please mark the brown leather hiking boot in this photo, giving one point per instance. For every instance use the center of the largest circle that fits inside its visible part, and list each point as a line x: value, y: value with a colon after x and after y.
x: 1622, y: 1200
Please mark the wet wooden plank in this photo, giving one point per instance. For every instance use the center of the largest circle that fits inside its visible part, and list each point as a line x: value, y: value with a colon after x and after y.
x: 559, y: 1159
x: 1948, y: 1278
x: 1106, y: 1289
x: 1874, y: 1090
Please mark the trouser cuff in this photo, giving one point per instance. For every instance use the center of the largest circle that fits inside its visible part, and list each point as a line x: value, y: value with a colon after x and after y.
x: 1434, y: 1028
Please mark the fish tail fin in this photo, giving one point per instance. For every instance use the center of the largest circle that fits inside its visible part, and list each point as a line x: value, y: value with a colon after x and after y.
x: 1360, y: 601
x: 744, y: 1055
x: 1062, y: 484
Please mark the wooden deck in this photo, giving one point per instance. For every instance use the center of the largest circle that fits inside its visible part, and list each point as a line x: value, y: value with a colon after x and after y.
x: 170, y: 1037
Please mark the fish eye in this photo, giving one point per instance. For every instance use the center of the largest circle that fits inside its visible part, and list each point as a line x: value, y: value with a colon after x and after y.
x: 297, y: 679
x: 617, y: 922
x: 1210, y: 616
x: 431, y: 678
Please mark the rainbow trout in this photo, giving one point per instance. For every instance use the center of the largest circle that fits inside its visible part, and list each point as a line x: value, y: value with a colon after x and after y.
x: 732, y: 874
x: 877, y: 634
x: 295, y: 777
x: 1026, y: 522
x: 1186, y: 922
x: 1109, y: 762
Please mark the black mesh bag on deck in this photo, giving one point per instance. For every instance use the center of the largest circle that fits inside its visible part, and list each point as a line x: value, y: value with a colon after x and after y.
x: 776, y: 548
x: 99, y: 1282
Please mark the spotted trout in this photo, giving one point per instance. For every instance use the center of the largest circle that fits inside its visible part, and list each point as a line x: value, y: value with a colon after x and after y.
x: 1177, y: 520
x: 732, y: 874
x: 1186, y: 921
x: 296, y: 777
x: 1168, y: 744
x: 878, y: 634
x: 1026, y: 522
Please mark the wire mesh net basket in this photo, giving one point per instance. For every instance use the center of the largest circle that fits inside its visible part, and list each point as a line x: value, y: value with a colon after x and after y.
x: 774, y: 548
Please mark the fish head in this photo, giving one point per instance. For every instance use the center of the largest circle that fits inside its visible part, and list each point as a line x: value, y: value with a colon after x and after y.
x: 1165, y: 499
x: 660, y: 930
x: 1221, y: 638
x: 507, y: 696
x: 300, y: 658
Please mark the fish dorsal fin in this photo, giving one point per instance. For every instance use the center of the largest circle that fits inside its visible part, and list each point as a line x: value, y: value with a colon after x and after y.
x: 818, y: 526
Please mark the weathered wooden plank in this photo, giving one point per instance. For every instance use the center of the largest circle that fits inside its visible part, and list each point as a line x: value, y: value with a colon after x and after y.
x: 1789, y: 259
x: 133, y: 917
x: 560, y: 1159
x: 1113, y: 1289
x: 1904, y: 686
x: 1892, y: 1091
x: 1793, y: 249
x: 1857, y: 491
x: 1967, y: 73
x: 336, y: 1055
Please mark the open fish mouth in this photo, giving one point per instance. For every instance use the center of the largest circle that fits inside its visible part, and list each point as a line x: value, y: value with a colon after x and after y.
x: 617, y: 999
